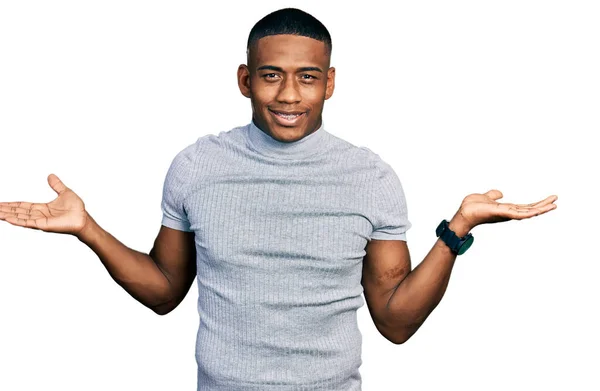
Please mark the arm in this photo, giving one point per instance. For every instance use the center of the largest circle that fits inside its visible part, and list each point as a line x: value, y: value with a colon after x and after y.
x: 159, y: 280
x: 399, y: 299
x: 417, y: 295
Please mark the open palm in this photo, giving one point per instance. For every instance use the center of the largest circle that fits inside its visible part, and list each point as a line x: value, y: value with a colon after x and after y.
x: 65, y: 214
x: 479, y: 209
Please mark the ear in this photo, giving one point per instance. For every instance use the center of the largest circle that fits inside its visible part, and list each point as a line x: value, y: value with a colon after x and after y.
x: 330, y: 83
x: 243, y: 76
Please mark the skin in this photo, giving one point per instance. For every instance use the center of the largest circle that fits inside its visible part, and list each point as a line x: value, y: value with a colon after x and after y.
x: 284, y: 73
x: 287, y: 73
x: 400, y: 299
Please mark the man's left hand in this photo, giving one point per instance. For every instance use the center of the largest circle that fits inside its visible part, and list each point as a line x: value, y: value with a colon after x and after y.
x: 479, y: 209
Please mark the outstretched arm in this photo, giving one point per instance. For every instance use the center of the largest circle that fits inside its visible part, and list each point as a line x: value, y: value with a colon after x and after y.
x: 159, y: 280
x: 399, y: 299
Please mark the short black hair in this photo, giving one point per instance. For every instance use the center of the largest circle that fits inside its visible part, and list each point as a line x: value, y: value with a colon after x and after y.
x: 290, y: 21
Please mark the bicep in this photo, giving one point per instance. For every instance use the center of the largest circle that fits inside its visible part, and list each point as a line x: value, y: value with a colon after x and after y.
x: 174, y: 252
x: 385, y: 265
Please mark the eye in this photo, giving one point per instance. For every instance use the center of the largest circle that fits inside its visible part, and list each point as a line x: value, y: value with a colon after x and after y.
x: 270, y: 76
x: 308, y: 77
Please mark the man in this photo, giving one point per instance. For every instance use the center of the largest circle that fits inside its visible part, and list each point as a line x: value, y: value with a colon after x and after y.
x: 284, y: 226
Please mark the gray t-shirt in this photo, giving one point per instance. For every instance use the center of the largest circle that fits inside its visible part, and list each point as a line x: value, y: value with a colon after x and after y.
x: 280, y: 231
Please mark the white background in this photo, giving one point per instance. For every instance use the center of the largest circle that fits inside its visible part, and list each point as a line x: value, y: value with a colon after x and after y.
x: 459, y: 97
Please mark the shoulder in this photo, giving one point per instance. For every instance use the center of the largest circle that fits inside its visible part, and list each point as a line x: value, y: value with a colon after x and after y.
x: 356, y: 153
x: 364, y: 158
x: 384, y: 175
x: 208, y: 144
x: 381, y: 168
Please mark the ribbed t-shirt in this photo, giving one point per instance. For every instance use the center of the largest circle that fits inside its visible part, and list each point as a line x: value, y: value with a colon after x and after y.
x: 280, y: 232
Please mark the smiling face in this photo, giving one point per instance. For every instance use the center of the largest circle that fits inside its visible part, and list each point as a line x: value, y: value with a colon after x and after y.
x: 287, y: 79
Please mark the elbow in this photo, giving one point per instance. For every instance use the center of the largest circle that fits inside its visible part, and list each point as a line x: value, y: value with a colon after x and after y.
x: 395, y: 337
x: 167, y: 304
x: 399, y: 336
x: 402, y: 333
x: 163, y: 309
x: 160, y: 311
x: 400, y: 340
x: 395, y: 334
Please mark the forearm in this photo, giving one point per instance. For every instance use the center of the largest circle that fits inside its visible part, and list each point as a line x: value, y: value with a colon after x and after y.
x: 423, y: 288
x: 134, y: 271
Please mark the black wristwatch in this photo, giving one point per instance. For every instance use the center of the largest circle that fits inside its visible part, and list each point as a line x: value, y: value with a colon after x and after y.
x: 456, y: 244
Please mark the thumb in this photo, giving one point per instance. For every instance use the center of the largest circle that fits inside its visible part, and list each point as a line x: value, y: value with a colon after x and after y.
x: 494, y: 194
x: 56, y: 184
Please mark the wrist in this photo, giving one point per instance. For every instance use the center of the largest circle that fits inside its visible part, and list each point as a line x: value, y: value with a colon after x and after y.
x: 88, y: 231
x: 459, y: 225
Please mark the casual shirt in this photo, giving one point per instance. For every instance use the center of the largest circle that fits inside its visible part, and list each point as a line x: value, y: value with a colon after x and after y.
x: 280, y: 232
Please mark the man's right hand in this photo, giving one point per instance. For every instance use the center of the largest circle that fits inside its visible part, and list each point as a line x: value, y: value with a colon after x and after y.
x: 160, y: 280
x: 65, y: 214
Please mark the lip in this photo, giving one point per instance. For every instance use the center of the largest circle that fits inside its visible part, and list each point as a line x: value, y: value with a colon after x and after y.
x: 285, y: 121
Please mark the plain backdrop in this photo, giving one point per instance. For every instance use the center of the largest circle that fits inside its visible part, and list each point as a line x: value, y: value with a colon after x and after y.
x: 458, y: 97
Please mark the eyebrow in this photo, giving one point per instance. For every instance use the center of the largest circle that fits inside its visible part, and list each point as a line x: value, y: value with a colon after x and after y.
x: 278, y: 69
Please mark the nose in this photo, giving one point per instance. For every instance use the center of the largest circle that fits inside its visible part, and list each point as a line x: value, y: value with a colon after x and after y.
x: 288, y: 91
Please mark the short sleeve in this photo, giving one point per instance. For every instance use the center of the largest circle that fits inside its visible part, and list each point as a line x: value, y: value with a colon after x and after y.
x: 390, y: 217
x: 175, y: 187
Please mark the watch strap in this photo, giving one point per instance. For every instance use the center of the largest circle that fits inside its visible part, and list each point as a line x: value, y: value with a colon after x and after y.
x: 453, y: 241
x: 450, y: 238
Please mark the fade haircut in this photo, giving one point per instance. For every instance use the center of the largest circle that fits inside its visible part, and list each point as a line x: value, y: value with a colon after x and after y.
x: 289, y: 21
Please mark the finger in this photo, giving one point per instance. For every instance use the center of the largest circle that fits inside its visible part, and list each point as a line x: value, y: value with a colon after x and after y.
x: 20, y: 213
x: 518, y: 213
x: 538, y: 204
x: 494, y: 194
x: 547, y: 208
x: 29, y: 223
x: 23, y: 204
x: 34, y: 215
x: 21, y: 207
x: 13, y: 203
x: 57, y: 185
x: 543, y: 202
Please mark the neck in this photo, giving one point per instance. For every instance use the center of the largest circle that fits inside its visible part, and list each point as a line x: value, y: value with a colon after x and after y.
x: 265, y: 144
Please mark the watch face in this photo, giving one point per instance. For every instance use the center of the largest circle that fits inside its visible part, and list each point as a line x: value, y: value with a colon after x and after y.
x: 465, y: 246
x: 440, y: 228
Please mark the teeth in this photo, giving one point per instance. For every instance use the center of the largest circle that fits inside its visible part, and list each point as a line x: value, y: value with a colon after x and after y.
x: 288, y: 116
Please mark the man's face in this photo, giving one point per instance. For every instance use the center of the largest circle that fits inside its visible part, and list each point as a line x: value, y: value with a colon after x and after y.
x: 287, y: 79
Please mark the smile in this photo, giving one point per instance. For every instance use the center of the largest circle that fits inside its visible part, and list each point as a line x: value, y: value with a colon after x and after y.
x: 286, y: 119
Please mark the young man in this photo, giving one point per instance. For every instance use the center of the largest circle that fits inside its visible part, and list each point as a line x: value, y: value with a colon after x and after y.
x: 284, y: 226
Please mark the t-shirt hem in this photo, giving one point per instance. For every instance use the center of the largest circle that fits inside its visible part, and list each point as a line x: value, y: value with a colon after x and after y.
x: 245, y: 386
x: 175, y: 224
x: 388, y: 236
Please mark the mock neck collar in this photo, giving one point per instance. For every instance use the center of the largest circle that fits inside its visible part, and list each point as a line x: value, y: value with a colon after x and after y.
x: 267, y: 145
